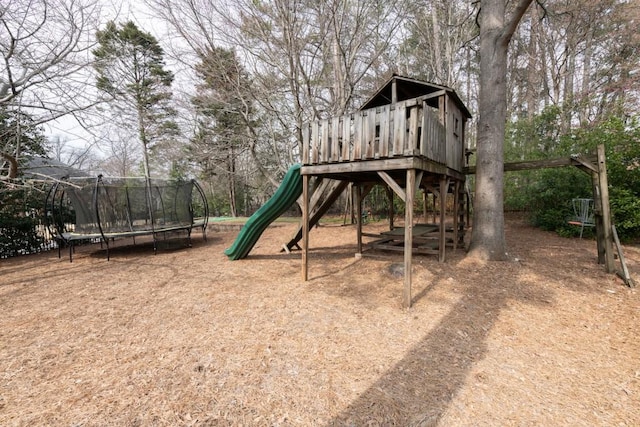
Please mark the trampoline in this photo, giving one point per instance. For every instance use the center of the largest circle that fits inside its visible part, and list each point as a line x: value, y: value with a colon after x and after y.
x: 102, y: 209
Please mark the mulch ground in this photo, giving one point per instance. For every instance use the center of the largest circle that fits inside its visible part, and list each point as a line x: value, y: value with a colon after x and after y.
x: 187, y: 337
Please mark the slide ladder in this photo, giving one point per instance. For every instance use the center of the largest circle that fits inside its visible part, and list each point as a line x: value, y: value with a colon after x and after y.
x: 319, y: 205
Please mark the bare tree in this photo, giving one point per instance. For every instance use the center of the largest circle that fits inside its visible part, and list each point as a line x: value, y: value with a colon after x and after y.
x: 440, y: 35
x: 577, y: 55
x: 59, y: 148
x: 307, y: 59
x: 497, y: 26
x: 45, y: 48
x: 121, y: 155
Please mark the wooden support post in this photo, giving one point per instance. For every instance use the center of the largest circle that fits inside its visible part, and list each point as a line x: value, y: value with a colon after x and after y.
x: 319, y: 188
x: 394, y: 92
x: 442, y: 109
x: 597, y: 211
x: 408, y: 236
x: 358, y: 204
x: 444, y: 187
x: 419, y: 175
x: 424, y: 205
x: 435, y: 211
x: 603, y: 186
x: 456, y: 207
x: 462, y: 209
x: 391, y: 209
x: 305, y: 227
x: 624, y: 274
x: 348, y: 205
x: 467, y: 192
x: 392, y: 184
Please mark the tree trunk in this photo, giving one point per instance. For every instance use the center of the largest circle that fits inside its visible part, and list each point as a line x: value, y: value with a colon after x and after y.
x: 586, y: 80
x: 231, y: 181
x: 488, y: 239
x: 437, y: 53
x: 144, y: 141
x: 13, y: 165
x: 568, y: 98
x: 533, y: 70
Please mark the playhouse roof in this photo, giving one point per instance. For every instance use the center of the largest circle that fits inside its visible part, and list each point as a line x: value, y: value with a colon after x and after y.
x: 408, y: 88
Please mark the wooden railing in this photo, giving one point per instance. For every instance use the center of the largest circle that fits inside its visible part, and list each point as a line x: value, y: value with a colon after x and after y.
x: 407, y: 128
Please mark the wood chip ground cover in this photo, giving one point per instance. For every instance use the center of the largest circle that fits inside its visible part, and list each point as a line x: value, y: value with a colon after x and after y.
x: 187, y: 337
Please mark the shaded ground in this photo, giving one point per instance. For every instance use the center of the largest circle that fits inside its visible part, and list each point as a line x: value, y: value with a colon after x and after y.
x: 187, y: 337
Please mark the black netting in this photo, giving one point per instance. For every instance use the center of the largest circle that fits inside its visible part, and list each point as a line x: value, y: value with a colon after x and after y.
x: 172, y: 204
x: 120, y: 205
x: 81, y: 197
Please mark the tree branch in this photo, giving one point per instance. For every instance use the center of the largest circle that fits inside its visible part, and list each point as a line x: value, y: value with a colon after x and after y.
x: 13, y: 165
x: 511, y: 26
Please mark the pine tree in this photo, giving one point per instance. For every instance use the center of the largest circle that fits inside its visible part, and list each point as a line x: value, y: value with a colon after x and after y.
x: 225, y: 110
x: 131, y: 70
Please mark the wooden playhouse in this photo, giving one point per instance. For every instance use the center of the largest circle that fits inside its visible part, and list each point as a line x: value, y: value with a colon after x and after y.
x: 409, y: 136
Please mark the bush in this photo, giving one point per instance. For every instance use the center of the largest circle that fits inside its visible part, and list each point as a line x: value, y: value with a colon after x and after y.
x: 625, y: 210
x: 549, y: 197
x: 18, y: 236
x: 547, y: 194
x: 18, y: 222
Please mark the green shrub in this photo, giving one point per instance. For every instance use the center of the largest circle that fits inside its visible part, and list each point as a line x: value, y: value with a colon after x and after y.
x: 547, y: 194
x: 625, y: 210
x: 549, y: 198
x: 18, y: 222
x: 18, y: 236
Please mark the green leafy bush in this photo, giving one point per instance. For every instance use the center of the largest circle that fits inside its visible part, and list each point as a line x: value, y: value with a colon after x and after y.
x: 549, y: 198
x: 547, y: 194
x: 18, y: 236
x: 625, y: 209
x: 18, y: 223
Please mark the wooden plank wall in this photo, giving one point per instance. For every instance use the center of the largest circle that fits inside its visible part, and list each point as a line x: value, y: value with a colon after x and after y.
x: 454, y: 136
x: 434, y: 143
x: 407, y: 128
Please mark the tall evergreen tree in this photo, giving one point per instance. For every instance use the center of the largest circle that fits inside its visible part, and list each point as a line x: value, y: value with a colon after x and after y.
x: 131, y: 70
x: 224, y: 106
x: 20, y: 138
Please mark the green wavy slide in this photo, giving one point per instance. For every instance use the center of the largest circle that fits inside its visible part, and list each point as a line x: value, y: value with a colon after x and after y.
x: 286, y: 195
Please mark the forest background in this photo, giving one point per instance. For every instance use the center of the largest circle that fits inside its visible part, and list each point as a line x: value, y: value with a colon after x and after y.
x: 219, y: 90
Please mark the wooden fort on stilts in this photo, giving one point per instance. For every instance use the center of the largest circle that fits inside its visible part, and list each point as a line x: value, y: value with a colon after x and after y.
x: 409, y: 135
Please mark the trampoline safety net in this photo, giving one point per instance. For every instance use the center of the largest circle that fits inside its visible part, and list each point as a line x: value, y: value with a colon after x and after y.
x: 107, y: 208
x: 124, y: 205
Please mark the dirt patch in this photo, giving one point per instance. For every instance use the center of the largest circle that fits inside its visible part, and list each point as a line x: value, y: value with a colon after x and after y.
x: 186, y: 337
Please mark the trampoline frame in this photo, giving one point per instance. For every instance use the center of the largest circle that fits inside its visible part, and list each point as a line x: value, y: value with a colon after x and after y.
x: 103, y: 231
